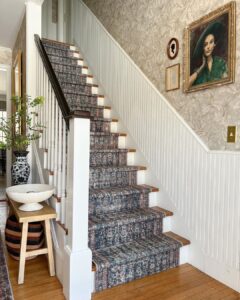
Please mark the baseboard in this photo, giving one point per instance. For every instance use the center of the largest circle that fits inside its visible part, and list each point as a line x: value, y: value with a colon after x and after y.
x: 216, y: 269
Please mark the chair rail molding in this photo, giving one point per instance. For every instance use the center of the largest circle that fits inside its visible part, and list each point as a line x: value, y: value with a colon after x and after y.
x: 203, y: 185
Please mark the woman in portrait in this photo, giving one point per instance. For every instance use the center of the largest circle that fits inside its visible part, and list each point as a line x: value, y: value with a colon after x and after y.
x: 212, y: 67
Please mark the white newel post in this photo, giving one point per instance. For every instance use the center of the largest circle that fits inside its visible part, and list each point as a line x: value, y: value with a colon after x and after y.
x: 77, y: 280
x: 33, y: 26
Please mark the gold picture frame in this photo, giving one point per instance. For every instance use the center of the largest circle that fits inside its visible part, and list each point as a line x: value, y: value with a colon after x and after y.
x: 172, y: 78
x: 210, y: 50
x: 17, y: 75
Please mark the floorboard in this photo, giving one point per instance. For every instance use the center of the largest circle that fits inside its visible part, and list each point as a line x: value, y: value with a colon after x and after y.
x: 184, y: 282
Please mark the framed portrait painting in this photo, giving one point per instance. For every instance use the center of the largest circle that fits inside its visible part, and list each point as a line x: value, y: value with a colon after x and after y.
x: 210, y: 45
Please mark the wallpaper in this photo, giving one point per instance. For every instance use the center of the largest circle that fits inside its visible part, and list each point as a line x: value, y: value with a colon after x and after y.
x: 5, y: 56
x: 143, y: 28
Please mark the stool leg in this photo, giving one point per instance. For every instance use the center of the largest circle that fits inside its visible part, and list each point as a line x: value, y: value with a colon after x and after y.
x: 23, y: 253
x: 49, y: 247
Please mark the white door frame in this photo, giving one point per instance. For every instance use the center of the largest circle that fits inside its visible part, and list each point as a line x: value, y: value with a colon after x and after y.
x: 9, y: 111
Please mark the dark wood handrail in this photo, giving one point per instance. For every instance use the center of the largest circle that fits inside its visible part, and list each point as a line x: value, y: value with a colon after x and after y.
x: 67, y: 114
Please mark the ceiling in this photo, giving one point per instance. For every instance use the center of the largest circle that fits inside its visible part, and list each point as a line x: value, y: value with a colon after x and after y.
x: 11, y: 14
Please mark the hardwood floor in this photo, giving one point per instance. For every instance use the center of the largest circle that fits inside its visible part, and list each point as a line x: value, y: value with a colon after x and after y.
x: 38, y: 285
x: 184, y: 282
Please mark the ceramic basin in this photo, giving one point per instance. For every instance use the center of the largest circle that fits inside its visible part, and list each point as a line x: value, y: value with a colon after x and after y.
x: 30, y: 195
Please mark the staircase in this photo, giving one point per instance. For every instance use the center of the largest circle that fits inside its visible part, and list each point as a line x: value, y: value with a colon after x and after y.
x: 125, y: 234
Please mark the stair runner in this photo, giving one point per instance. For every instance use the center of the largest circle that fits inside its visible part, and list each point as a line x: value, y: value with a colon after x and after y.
x: 125, y: 234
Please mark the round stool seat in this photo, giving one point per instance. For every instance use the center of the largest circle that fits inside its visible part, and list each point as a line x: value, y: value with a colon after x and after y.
x: 13, y: 234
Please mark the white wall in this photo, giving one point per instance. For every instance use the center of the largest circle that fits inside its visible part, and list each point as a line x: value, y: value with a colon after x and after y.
x: 49, y: 29
x: 61, y: 30
x: 201, y: 186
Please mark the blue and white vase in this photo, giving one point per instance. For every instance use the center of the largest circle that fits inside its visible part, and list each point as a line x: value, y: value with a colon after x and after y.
x: 20, y: 168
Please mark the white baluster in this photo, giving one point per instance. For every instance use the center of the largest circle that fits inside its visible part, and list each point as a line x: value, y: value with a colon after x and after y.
x: 41, y: 107
x: 50, y: 129
x: 52, y: 133
x: 59, y: 179
x: 56, y: 148
x: 64, y: 155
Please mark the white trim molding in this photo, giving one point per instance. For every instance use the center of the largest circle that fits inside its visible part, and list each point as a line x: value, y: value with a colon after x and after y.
x: 202, y: 185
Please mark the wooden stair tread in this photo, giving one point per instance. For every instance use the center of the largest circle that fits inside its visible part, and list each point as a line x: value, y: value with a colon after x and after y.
x: 153, y: 189
x: 142, y: 168
x: 57, y: 42
x: 166, y: 212
x: 178, y: 238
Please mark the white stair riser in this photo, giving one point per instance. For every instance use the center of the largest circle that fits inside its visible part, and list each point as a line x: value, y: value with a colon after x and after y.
x: 76, y: 55
x: 80, y: 62
x: 141, y: 174
x: 84, y: 71
x: 89, y: 80
x: 100, y: 101
x: 131, y: 158
x: 107, y: 113
x: 73, y: 48
x: 122, y: 142
x: 167, y: 224
x: 114, y: 127
x: 94, y: 90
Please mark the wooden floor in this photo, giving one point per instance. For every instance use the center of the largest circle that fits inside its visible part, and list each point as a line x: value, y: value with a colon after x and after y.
x: 184, y: 282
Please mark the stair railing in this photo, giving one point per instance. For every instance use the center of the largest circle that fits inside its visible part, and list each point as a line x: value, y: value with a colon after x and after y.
x: 64, y: 149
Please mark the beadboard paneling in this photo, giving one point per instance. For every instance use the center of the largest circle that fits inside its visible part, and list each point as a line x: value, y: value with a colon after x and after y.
x: 203, y: 185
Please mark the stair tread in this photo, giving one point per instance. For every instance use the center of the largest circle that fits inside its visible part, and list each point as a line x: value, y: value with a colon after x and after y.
x: 64, y: 64
x: 124, y: 217
x: 64, y: 56
x: 108, y: 133
x: 101, y: 119
x: 132, y: 189
x: 166, y: 212
x: 178, y: 238
x: 70, y: 66
x: 76, y: 75
x: 58, y: 47
x: 120, y: 168
x: 56, y: 42
x: 77, y: 83
x: 112, y: 150
x: 134, y: 250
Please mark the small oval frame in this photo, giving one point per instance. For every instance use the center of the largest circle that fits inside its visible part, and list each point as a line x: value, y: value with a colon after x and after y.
x: 170, y: 43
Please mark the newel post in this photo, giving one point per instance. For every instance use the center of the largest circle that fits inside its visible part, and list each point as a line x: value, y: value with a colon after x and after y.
x: 77, y: 281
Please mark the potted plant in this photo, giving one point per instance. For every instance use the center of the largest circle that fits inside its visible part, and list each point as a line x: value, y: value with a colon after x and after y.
x: 18, y: 132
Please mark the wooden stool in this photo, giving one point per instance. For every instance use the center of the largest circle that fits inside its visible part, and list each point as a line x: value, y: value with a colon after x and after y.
x: 45, y: 214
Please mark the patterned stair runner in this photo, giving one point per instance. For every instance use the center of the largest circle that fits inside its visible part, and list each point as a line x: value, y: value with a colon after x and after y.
x: 125, y: 235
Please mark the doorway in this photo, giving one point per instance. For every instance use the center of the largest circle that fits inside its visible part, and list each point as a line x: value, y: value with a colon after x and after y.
x: 5, y: 112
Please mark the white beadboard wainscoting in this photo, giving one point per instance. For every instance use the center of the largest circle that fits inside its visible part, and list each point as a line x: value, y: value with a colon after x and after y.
x: 203, y: 185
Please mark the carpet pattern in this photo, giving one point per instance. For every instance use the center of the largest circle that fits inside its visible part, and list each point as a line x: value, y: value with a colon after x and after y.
x: 5, y: 285
x: 125, y: 234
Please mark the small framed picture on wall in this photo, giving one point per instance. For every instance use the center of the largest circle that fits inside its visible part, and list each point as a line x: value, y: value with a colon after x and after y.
x: 172, y: 78
x: 172, y: 48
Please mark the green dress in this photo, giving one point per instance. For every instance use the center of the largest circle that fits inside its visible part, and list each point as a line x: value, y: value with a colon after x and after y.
x: 218, y: 71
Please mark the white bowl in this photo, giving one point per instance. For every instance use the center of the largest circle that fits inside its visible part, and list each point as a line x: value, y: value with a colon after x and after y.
x: 30, y: 195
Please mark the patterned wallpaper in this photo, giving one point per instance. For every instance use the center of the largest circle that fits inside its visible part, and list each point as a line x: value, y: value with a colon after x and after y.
x: 143, y: 28
x: 5, y: 56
